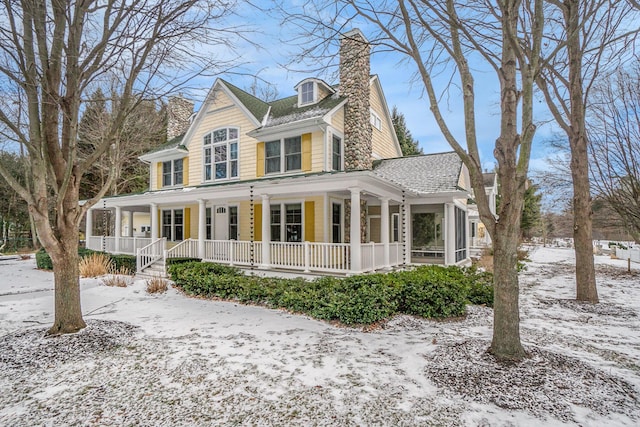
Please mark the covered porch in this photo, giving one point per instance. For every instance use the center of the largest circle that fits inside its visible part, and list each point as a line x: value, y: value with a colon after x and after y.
x: 327, y: 224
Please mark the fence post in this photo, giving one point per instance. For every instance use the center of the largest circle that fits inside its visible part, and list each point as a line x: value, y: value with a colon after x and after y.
x: 232, y: 252
x: 373, y: 256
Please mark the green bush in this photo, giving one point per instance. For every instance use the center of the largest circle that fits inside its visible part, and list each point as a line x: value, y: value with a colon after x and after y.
x: 124, y: 261
x: 428, y: 291
x: 434, y: 291
x: 181, y: 260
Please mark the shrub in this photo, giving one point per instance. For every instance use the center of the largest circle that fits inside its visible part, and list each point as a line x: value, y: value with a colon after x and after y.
x: 126, y: 262
x: 434, y: 291
x: 157, y: 285
x: 117, y: 280
x: 95, y: 265
x: 428, y: 291
x: 181, y: 260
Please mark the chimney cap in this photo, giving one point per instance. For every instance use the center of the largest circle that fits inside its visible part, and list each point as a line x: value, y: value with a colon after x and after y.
x: 353, y: 33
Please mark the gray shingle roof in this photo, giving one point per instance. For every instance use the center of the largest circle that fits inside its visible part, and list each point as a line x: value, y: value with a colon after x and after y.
x: 488, y: 179
x: 427, y: 174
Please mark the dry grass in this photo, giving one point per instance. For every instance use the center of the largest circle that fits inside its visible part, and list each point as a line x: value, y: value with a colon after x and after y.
x: 120, y: 278
x: 95, y: 265
x: 157, y: 285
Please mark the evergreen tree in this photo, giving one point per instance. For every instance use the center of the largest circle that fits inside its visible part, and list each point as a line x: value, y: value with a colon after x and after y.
x: 531, y: 216
x: 408, y: 145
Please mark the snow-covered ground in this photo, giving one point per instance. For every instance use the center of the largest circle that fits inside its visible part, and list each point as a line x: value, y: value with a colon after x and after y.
x: 161, y: 360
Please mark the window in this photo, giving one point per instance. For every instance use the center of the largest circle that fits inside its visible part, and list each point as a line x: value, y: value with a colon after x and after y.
x: 376, y: 122
x: 173, y: 224
x: 172, y: 173
x: 336, y: 153
x: 461, y: 233
x: 221, y: 154
x: 336, y: 223
x: 233, y: 223
x: 395, y: 227
x: 208, y: 223
x: 276, y: 223
x: 287, y: 227
x: 306, y: 93
x: 275, y: 162
x: 293, y: 223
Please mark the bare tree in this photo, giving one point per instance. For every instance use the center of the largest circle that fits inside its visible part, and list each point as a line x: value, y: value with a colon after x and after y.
x: 439, y: 36
x: 585, y: 37
x: 52, y: 54
x: 614, y: 138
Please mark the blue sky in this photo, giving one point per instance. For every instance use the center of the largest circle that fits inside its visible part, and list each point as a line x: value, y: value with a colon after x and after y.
x: 270, y: 60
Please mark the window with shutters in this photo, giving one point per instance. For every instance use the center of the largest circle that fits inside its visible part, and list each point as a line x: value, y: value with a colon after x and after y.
x: 284, y: 155
x: 172, y: 173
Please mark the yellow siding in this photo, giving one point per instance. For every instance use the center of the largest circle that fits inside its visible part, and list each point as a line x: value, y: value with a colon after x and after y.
x: 383, y: 143
x: 221, y: 112
x: 260, y: 159
x: 244, y: 221
x: 337, y: 121
x: 306, y: 151
x: 317, y: 151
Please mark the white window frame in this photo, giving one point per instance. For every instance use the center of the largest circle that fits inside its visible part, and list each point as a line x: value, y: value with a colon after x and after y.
x: 172, y: 238
x: 282, y: 156
x: 211, y: 145
x: 395, y: 217
x: 341, y: 138
x: 301, y: 92
x: 283, y: 219
x: 375, y: 119
x: 333, y: 202
x: 172, y: 173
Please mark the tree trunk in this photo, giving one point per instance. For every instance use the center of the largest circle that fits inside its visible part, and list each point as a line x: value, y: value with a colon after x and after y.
x: 586, y: 289
x: 506, y: 312
x: 582, y: 213
x: 68, y: 312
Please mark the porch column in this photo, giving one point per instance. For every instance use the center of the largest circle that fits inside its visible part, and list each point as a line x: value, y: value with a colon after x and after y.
x: 118, y: 229
x: 450, y: 234
x: 130, y: 221
x: 154, y: 221
x: 384, y: 230
x: 356, y: 251
x: 202, y: 227
x: 266, y: 232
x: 88, y: 232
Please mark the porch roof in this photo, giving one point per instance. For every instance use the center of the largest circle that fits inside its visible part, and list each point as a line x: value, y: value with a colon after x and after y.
x: 426, y: 174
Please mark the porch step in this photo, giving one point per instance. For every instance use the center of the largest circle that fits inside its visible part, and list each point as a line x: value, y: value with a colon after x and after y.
x: 157, y: 269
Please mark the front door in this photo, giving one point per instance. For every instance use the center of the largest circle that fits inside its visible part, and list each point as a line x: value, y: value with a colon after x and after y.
x: 221, y: 223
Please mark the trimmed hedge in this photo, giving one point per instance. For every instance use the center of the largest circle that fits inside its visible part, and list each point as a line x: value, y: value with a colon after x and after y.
x: 428, y: 291
x: 43, y: 260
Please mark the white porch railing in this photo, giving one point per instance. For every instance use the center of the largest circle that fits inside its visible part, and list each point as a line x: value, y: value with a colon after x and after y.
x: 151, y: 253
x: 395, y: 253
x: 128, y: 245
x: 185, y: 249
x: 329, y: 257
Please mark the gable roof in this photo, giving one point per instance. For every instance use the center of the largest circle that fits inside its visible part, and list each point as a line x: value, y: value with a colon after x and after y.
x: 489, y: 179
x: 426, y: 174
x: 257, y: 107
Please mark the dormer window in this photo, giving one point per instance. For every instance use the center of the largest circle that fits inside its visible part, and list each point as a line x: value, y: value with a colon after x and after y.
x: 306, y: 93
x: 312, y: 90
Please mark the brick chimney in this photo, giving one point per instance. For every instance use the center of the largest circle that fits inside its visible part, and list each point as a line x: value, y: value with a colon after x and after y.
x: 179, y: 111
x: 354, y: 84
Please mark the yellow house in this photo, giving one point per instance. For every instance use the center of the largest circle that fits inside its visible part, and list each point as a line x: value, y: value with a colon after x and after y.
x: 314, y: 182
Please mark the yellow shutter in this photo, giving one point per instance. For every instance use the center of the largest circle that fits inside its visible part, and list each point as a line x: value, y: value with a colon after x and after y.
x: 185, y: 171
x: 260, y: 159
x: 306, y: 152
x: 159, y: 175
x: 257, y: 221
x: 187, y: 223
x: 309, y: 222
